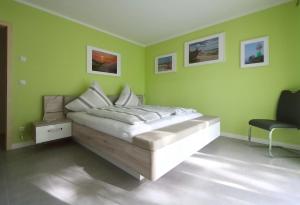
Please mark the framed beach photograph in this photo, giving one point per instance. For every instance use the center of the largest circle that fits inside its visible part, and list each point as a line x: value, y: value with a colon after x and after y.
x: 165, y: 63
x: 255, y: 52
x: 100, y: 61
x: 206, y: 50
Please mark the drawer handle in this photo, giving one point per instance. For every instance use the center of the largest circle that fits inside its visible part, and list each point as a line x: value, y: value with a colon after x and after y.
x: 55, y: 130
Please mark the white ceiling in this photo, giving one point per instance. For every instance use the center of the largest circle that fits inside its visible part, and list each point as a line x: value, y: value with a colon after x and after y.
x: 147, y: 22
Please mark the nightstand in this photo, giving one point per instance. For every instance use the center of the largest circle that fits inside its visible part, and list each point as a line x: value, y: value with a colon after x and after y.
x: 48, y: 131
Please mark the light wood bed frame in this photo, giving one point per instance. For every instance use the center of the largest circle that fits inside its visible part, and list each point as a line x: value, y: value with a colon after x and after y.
x: 141, y: 162
x: 152, y: 154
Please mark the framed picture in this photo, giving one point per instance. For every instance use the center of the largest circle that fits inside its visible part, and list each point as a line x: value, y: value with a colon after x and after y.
x: 165, y: 63
x: 255, y: 52
x: 205, y: 50
x: 100, y: 61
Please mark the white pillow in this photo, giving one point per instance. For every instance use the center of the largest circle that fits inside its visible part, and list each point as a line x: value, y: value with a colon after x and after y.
x: 127, y: 98
x: 94, y: 97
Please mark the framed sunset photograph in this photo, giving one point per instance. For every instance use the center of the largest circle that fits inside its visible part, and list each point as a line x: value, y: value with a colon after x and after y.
x: 255, y: 52
x: 165, y: 63
x: 100, y: 61
x: 203, y: 51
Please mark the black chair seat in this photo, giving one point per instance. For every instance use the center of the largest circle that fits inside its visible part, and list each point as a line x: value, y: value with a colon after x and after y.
x: 270, y: 124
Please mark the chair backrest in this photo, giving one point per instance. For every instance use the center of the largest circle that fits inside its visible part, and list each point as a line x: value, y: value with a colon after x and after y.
x: 288, y: 109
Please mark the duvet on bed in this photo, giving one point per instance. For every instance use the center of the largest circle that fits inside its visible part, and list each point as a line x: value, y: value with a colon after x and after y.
x: 126, y: 122
x: 138, y: 114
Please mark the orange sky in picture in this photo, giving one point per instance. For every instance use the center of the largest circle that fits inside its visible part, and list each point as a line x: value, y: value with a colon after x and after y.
x: 104, y: 57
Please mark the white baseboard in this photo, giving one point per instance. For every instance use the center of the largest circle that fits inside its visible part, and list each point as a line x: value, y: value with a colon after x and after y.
x: 223, y: 134
x: 260, y: 140
x: 22, y: 144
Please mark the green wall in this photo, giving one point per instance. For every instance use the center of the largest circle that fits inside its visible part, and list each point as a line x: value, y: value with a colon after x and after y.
x: 56, y: 52
x: 224, y: 89
x: 297, y: 19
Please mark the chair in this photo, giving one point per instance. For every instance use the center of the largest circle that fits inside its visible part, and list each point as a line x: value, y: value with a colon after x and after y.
x: 287, y: 116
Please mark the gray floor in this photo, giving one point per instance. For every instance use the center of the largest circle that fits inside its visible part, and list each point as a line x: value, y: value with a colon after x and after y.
x: 225, y: 172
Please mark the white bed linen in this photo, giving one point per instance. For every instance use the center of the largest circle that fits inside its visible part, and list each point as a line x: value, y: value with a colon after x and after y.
x: 125, y: 131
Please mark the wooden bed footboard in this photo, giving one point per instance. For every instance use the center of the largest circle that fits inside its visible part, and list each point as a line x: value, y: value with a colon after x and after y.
x: 154, y: 153
x: 121, y: 153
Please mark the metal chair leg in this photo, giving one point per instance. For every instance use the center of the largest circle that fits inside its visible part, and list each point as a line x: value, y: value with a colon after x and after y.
x: 270, y: 143
x: 249, y: 134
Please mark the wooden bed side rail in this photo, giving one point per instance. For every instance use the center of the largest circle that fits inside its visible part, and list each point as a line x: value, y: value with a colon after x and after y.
x: 159, y: 138
x: 168, y: 157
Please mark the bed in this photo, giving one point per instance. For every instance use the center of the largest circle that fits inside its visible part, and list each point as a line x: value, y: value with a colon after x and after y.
x: 148, y: 154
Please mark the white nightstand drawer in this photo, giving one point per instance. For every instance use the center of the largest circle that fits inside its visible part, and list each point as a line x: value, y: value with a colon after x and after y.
x: 53, y: 132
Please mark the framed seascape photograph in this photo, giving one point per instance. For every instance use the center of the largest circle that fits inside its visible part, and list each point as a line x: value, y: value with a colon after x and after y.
x: 205, y: 50
x: 100, y: 61
x: 165, y: 63
x: 255, y: 52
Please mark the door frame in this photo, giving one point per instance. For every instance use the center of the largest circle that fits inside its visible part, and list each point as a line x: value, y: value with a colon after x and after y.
x: 8, y: 85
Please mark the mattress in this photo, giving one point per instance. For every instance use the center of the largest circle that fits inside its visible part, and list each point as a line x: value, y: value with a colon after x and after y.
x: 125, y: 131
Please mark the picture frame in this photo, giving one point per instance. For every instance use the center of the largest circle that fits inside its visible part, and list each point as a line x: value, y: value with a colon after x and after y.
x: 165, y: 63
x: 103, y: 62
x: 207, y: 50
x: 255, y: 52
